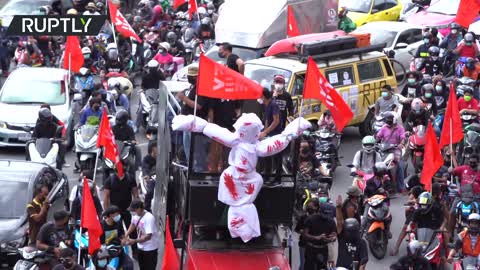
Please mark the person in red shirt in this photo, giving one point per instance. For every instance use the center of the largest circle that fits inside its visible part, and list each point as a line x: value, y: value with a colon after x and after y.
x: 467, y: 48
x: 468, y: 104
x: 471, y: 69
x: 469, y: 174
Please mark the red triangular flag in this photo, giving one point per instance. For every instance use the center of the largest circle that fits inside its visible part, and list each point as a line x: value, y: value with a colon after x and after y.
x: 170, y: 255
x: 107, y: 140
x: 433, y: 158
x: 177, y: 3
x: 192, y: 7
x: 292, y: 27
x: 467, y: 12
x: 218, y: 81
x: 89, y: 219
x: 73, y: 52
x: 317, y: 87
x: 121, y: 24
x: 452, y: 130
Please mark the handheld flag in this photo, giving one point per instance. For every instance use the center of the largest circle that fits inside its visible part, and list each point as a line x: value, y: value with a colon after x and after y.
x: 170, y: 255
x: 467, y: 12
x: 121, y: 24
x: 178, y: 3
x: 292, y: 27
x: 192, y: 7
x: 433, y: 158
x: 107, y: 140
x: 452, y: 130
x: 317, y: 87
x: 218, y: 81
x: 73, y: 54
x: 89, y: 219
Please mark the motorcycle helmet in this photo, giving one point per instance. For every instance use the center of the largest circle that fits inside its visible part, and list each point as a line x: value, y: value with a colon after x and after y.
x: 368, y: 143
x: 342, y: 12
x: 414, y: 248
x: 164, y: 45
x: 112, y: 51
x: 455, y: 25
x: 206, y: 21
x: 202, y: 12
x: 44, y: 10
x: 470, y: 64
x: 425, y: 201
x: 474, y: 223
x: 121, y: 118
x: 210, y: 8
x: 84, y: 72
x: 113, y: 83
x: 152, y: 64
x: 86, y: 52
x: 114, y: 94
x: 466, y: 89
x: 417, y: 105
x: 468, y: 38
x: 434, y: 51
x: 45, y: 115
x: 101, y: 257
x: 380, y: 169
x: 157, y: 10
x: 72, y: 11
x: 351, y: 229
x: 390, y: 118
x: 428, y: 87
x: 99, y: 5
x: 171, y: 38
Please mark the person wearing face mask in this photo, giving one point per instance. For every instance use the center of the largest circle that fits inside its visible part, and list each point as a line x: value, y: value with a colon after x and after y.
x: 422, y: 51
x: 467, y: 241
x: 451, y: 41
x: 387, y: 102
x: 67, y: 260
x: 100, y: 260
x: 163, y: 57
x: 351, y: 247
x: 440, y: 94
x: 432, y: 64
x: 468, y: 174
x: 233, y: 61
x: 428, y: 100
x: 468, y: 104
x: 365, y: 159
x: 307, y: 160
x: 283, y: 99
x: 412, y: 88
x: 468, y: 47
x: 418, y: 115
x: 113, y: 233
x: 311, y: 208
x: 211, y: 12
x: 92, y: 114
x: 471, y: 69
x: 375, y: 185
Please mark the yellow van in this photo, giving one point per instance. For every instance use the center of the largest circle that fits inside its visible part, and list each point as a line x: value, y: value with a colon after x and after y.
x: 358, y: 75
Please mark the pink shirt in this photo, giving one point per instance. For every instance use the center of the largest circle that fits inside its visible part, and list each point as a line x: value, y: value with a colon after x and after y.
x: 163, y: 59
x: 385, y: 134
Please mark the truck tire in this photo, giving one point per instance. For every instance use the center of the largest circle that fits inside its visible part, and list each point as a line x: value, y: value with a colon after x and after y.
x: 365, y: 127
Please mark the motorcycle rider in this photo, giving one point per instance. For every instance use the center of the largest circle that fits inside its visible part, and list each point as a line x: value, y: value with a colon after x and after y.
x: 468, y: 174
x: 428, y: 100
x: 151, y: 79
x: 344, y: 22
x: 365, y: 159
x: 159, y: 17
x: 211, y: 12
x: 414, y: 260
x: 87, y: 56
x: 441, y: 93
x: 100, y: 260
x: 451, y: 41
x: 467, y: 240
x: 471, y: 69
x: 468, y: 104
x: 428, y: 215
x: 206, y: 30
x: 387, y: 102
x: 176, y: 45
x: 45, y: 127
x: 418, y: 115
x: 67, y: 260
x: 376, y: 184
x: 113, y: 63
x: 163, y: 57
x: 412, y: 88
x: 422, y: 51
x: 118, y: 98
x: 124, y: 132
x: 468, y: 47
x: 93, y: 111
x: 432, y: 65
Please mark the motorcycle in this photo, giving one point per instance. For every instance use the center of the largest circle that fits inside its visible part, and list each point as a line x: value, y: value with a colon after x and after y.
x: 188, y: 42
x: 44, y: 150
x: 467, y: 263
x: 360, y: 178
x: 148, y: 108
x: 307, y: 190
x: 378, y: 213
x: 471, y: 140
x: 416, y: 143
x: 31, y: 258
x: 127, y: 156
x: 431, y: 241
x: 464, y: 81
x: 86, y: 146
x: 326, y: 150
x: 468, y: 119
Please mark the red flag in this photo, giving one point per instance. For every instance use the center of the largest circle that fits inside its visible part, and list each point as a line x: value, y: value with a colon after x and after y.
x: 192, y: 7
x: 107, y: 140
x: 292, y: 27
x: 452, y: 130
x: 121, y: 24
x: 467, y: 12
x: 317, y: 87
x: 433, y: 158
x: 73, y: 52
x: 177, y: 3
x: 218, y: 81
x: 170, y: 255
x: 89, y: 219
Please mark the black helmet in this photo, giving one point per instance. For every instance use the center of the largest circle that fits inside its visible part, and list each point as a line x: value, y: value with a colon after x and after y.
x: 470, y: 64
x: 45, y: 115
x: 389, y: 117
x: 351, y: 229
x: 171, y: 38
x: 469, y: 37
x: 427, y: 35
x: 455, y: 25
x: 427, y: 87
x: 434, y: 51
x: 380, y: 169
x: 121, y: 118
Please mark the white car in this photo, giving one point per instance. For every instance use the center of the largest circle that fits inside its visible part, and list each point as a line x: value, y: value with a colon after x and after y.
x: 401, y: 37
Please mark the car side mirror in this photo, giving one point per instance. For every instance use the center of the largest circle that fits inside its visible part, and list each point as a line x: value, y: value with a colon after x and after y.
x: 401, y: 46
x: 179, y: 243
x: 375, y: 10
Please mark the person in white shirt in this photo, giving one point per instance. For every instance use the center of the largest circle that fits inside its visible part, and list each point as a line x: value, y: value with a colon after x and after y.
x: 148, y: 240
x: 91, y: 9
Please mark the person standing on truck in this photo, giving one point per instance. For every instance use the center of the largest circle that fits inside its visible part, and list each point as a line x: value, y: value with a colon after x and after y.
x: 283, y: 99
x: 233, y: 61
x: 344, y: 22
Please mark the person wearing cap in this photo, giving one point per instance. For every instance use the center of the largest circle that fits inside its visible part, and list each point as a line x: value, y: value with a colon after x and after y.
x: 91, y: 9
x: 283, y: 99
x: 233, y: 61
x: 352, y: 206
x: 187, y: 97
x: 67, y: 260
x: 147, y: 239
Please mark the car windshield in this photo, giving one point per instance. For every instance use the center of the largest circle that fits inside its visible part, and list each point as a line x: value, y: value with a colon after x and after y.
x: 362, y: 6
x: 447, y: 7
x: 13, y: 199
x: 218, y: 238
x: 264, y: 74
x: 22, y: 7
x: 17, y: 91
x: 379, y: 36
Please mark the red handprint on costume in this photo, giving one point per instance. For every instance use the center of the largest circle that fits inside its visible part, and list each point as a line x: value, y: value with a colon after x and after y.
x: 250, y: 189
x: 230, y: 185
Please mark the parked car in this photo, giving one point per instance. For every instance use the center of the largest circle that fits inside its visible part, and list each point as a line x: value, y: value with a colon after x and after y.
x: 439, y: 15
x: 21, y: 96
x: 18, y: 180
x: 364, y: 11
x: 403, y: 38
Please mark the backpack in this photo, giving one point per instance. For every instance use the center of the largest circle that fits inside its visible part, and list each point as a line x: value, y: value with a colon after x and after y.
x: 361, y: 157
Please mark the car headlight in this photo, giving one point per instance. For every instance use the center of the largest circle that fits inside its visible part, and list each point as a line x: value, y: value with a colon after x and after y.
x: 3, y: 124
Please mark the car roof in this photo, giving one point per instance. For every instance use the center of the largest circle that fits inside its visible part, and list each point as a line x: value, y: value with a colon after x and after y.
x: 294, y: 65
x: 21, y: 170
x: 40, y: 73
x: 389, y: 25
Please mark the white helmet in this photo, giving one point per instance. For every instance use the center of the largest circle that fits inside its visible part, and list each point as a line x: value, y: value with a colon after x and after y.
x: 202, y: 11
x: 111, y: 46
x: 474, y: 216
x: 86, y: 50
x: 113, y: 83
x: 152, y: 64
x: 164, y: 45
x: 83, y: 71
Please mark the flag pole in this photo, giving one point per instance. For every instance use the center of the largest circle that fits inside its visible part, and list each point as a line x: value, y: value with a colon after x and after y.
x: 95, y: 168
x: 79, y: 243
x: 300, y: 113
x: 451, y: 147
x: 69, y: 67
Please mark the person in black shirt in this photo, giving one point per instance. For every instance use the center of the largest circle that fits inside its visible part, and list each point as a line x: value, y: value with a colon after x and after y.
x: 123, y: 132
x: 414, y: 260
x: 432, y: 64
x: 151, y: 79
x: 188, y: 98
x: 233, y: 61
x: 67, y: 261
x: 77, y: 202
x: 318, y: 232
x: 311, y: 209
x: 53, y: 233
x: 148, y: 170
x: 45, y: 127
x: 283, y: 99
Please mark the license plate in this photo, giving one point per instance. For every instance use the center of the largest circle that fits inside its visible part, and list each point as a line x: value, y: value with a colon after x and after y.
x: 24, y: 137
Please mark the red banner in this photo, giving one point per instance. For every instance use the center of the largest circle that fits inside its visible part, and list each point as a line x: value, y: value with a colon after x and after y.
x: 218, y: 81
x: 292, y: 27
x: 121, y: 24
x: 89, y: 219
x: 433, y: 158
x: 73, y: 53
x: 467, y: 12
x: 317, y: 87
x: 452, y: 130
x: 106, y: 139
